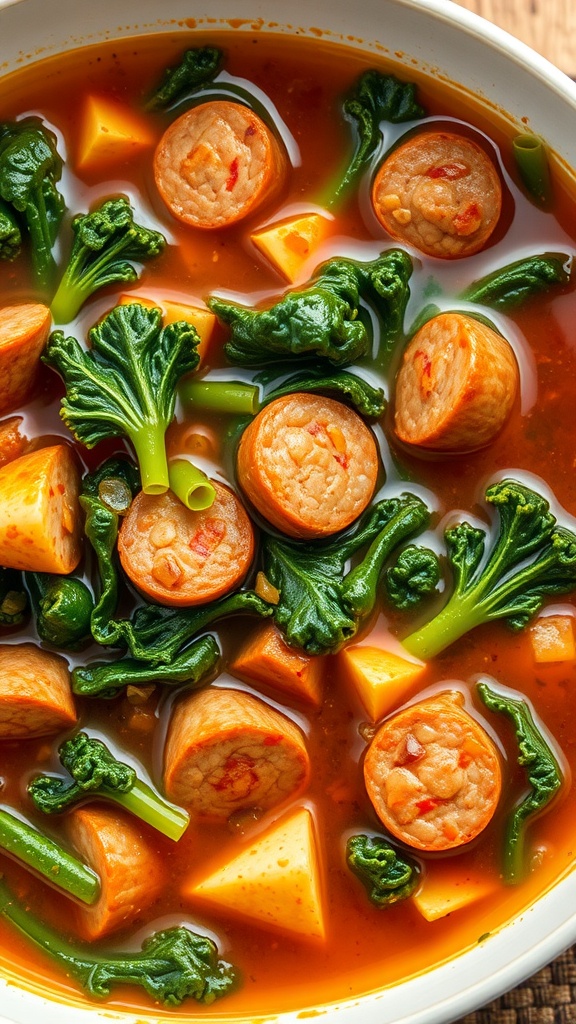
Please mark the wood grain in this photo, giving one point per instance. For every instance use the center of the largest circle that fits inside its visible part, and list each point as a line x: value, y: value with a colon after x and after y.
x: 548, y: 26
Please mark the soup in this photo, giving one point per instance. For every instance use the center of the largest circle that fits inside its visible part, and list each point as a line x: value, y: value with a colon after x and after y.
x: 304, y: 779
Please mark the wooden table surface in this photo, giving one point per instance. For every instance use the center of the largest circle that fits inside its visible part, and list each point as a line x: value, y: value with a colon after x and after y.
x: 548, y: 26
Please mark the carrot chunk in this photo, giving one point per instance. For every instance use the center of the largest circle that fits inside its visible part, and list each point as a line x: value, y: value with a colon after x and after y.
x: 24, y: 331
x: 109, y: 133
x: 267, y: 660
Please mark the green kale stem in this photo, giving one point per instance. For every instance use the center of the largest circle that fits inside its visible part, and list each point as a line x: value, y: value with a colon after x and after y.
x: 191, y: 485
x: 531, y: 158
x: 544, y: 775
x: 47, y: 859
x: 150, y: 448
x: 106, y: 679
x: 172, y: 965
x: 223, y: 396
x: 146, y: 804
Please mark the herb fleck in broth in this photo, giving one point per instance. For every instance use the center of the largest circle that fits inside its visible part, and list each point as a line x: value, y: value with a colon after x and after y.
x: 365, y: 948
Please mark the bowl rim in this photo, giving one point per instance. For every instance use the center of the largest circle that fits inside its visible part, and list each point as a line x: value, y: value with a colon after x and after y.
x: 509, y: 956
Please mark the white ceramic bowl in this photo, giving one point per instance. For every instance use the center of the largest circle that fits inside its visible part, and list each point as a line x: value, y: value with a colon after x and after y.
x: 447, y: 42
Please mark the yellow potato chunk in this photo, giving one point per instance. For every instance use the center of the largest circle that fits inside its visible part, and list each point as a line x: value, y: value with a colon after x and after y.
x: 289, y: 245
x: 449, y: 888
x: 109, y: 133
x: 267, y: 660
x: 202, y: 319
x: 381, y: 678
x: 552, y: 639
x: 41, y: 524
x: 275, y: 881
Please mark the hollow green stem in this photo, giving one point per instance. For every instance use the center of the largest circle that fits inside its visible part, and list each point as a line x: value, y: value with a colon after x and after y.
x: 150, y: 451
x: 224, y: 396
x: 47, y: 858
x: 191, y: 485
x: 532, y: 162
x: 148, y: 805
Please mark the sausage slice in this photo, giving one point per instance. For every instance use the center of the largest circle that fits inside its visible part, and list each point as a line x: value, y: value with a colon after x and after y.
x: 433, y: 774
x: 308, y: 464
x: 131, y: 873
x: 441, y: 193
x: 35, y: 692
x: 178, y: 556
x: 216, y: 164
x: 456, y: 386
x: 227, y: 750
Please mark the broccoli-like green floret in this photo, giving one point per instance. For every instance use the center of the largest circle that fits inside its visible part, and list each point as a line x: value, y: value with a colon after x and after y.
x: 63, y: 606
x: 414, y: 575
x: 125, y: 384
x: 172, y: 965
x: 531, y: 557
x: 30, y: 167
x: 106, y: 243
x: 321, y: 606
x: 387, y: 877
x: 96, y: 773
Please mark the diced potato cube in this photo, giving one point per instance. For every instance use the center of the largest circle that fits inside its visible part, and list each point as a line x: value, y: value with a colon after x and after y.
x: 552, y: 638
x: 110, y: 133
x: 289, y: 245
x: 275, y: 881
x: 381, y: 678
x: 445, y: 890
x: 202, y: 319
x: 268, y: 660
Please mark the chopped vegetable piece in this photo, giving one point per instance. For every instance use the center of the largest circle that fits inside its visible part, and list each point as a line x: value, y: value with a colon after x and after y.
x: 172, y: 965
x: 47, y: 858
x: 125, y: 384
x: 63, y: 607
x: 509, y: 287
x: 226, y: 750
x: 40, y: 527
x: 265, y: 659
x: 13, y: 598
x: 97, y: 774
x: 367, y: 400
x: 414, y: 576
x: 35, y: 694
x: 381, y: 678
x: 387, y: 877
x: 10, y: 234
x: 275, y: 881
x: 290, y: 244
x: 531, y: 158
x: 196, y: 67
x: 191, y: 485
x: 24, y: 330
x: 107, y: 243
x: 320, y: 605
x: 552, y: 639
x: 30, y: 167
x: 109, y: 133
x: 446, y: 888
x: 542, y: 769
x: 530, y: 558
x: 108, y: 678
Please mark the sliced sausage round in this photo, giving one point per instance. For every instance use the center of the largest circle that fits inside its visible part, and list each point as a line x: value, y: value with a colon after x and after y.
x: 35, y: 692
x: 456, y: 386
x: 441, y: 193
x: 217, y: 163
x: 308, y: 464
x: 131, y: 873
x: 433, y: 774
x: 226, y: 751
x: 178, y: 556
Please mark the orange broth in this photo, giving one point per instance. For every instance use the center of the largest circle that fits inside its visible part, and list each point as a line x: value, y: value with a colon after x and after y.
x: 366, y: 948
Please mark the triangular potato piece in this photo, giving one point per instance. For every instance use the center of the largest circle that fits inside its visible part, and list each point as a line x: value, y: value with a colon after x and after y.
x: 274, y: 881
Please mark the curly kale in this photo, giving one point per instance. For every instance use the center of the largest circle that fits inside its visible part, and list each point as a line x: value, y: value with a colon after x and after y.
x: 107, y: 242
x: 107, y: 679
x: 196, y: 67
x: 414, y: 575
x: 387, y: 877
x: 96, y: 773
x: 173, y: 965
x: 30, y: 167
x: 125, y: 384
x: 325, y: 319
x: 530, y: 558
x: 509, y: 287
x: 320, y: 605
x: 10, y: 234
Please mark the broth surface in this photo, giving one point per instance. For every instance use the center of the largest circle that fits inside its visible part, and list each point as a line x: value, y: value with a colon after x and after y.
x: 366, y: 948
